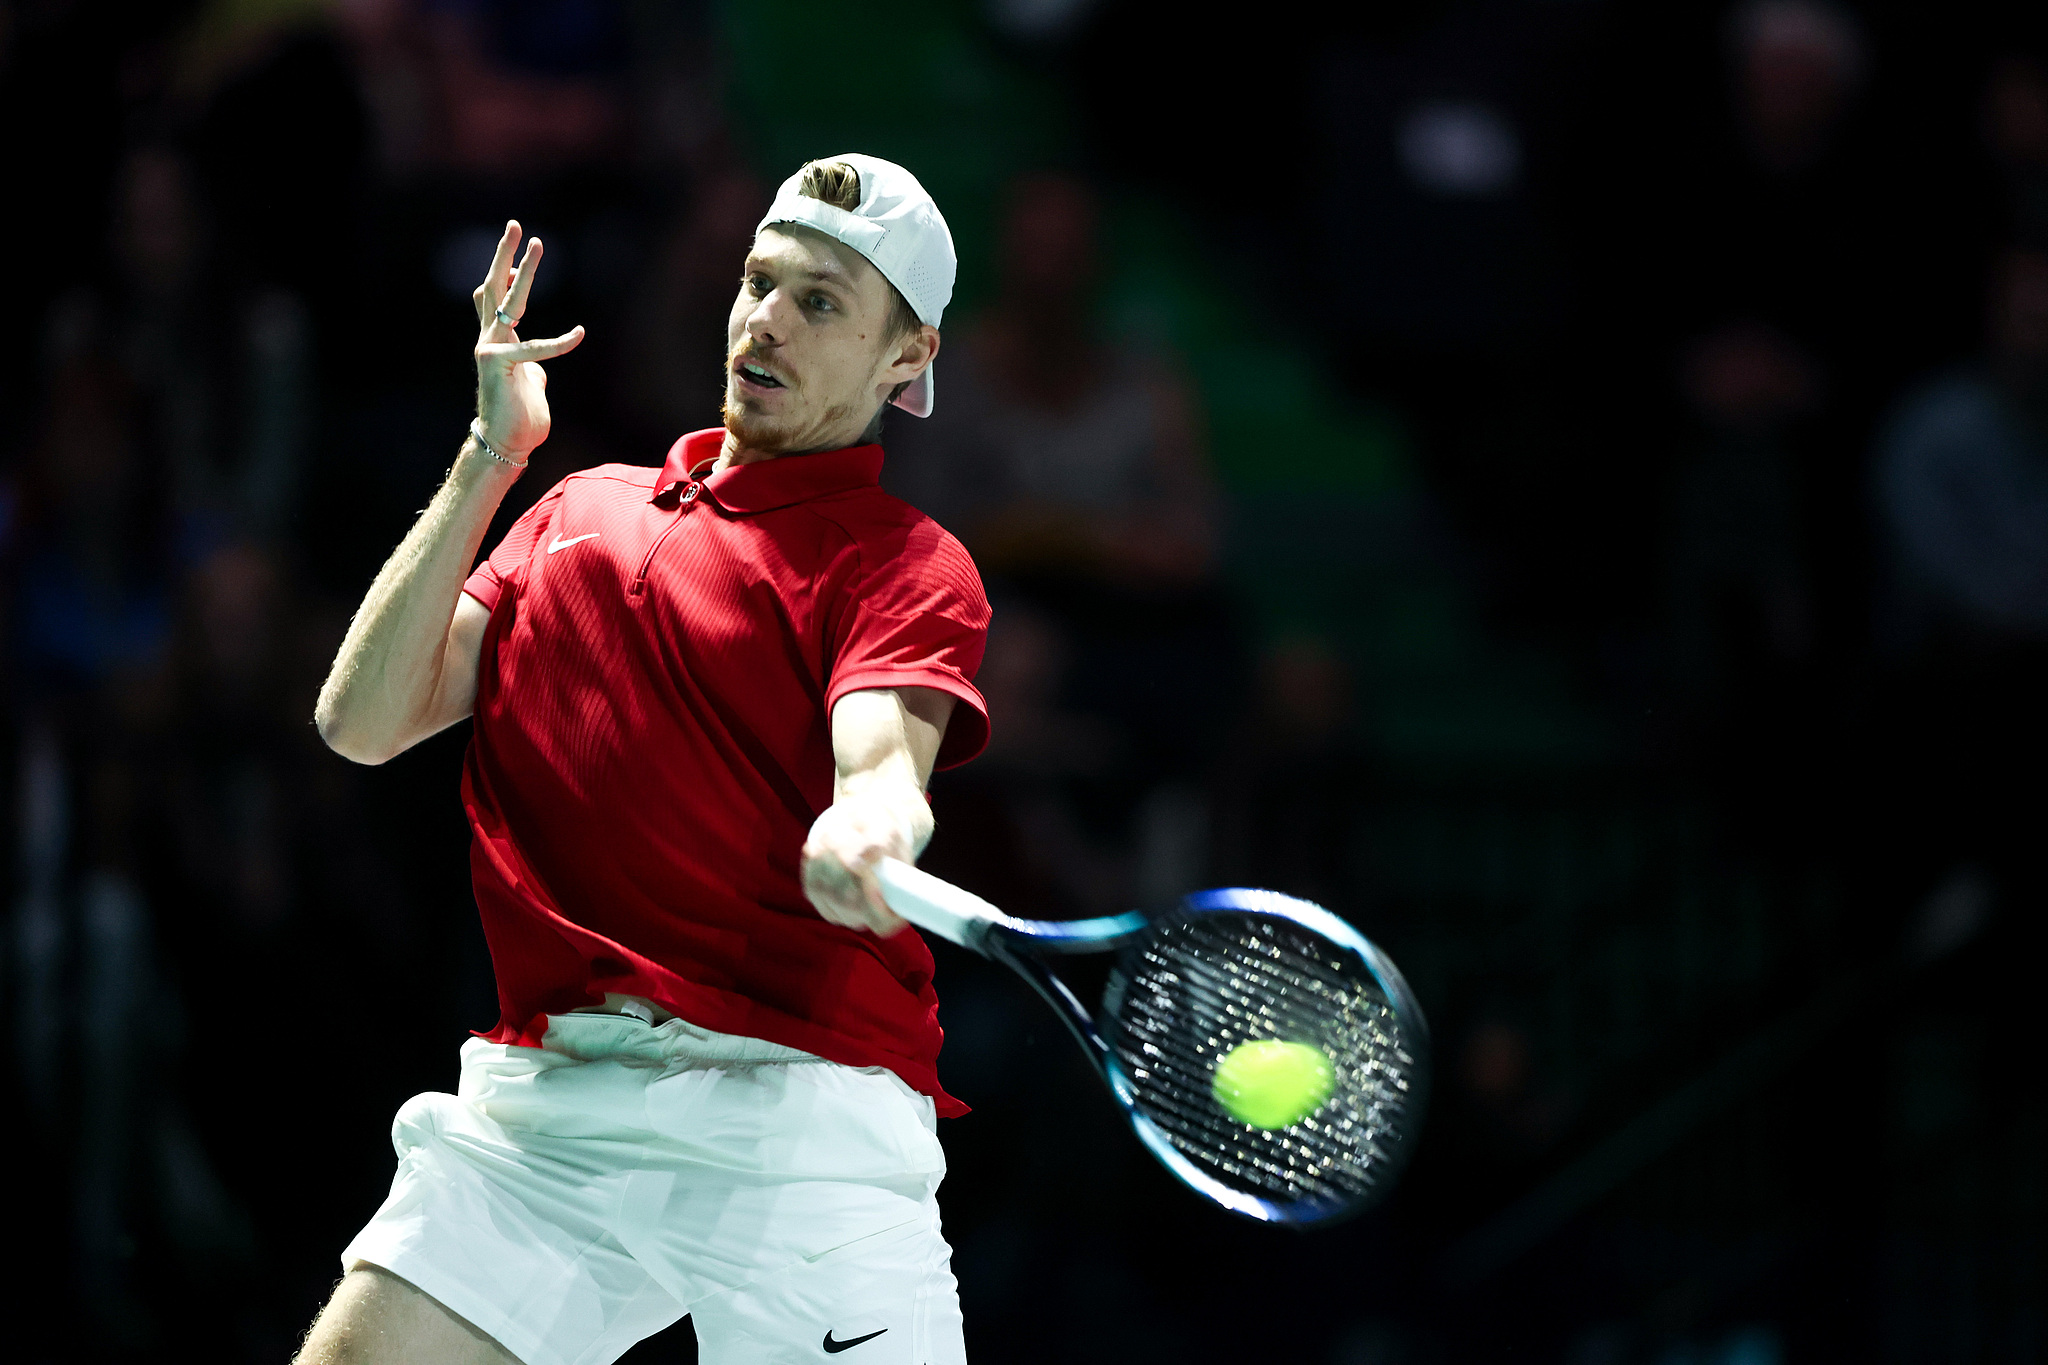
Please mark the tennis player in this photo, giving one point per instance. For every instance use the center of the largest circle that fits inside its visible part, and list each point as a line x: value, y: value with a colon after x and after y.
x: 707, y: 698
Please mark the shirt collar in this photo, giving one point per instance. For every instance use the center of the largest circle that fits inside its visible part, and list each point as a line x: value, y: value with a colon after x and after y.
x: 767, y: 484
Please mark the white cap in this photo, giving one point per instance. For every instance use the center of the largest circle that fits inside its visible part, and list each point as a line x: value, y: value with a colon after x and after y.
x: 899, y: 229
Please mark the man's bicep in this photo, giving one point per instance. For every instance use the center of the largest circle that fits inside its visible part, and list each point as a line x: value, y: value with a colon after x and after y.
x: 873, y: 727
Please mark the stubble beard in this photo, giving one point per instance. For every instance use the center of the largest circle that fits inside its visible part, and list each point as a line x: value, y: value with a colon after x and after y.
x: 776, y: 436
x: 754, y: 430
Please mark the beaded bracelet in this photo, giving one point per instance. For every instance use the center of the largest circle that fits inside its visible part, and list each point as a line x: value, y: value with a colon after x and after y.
x: 476, y: 429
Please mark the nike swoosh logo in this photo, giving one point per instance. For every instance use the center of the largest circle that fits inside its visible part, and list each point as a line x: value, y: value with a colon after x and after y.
x: 561, y: 544
x: 833, y: 1348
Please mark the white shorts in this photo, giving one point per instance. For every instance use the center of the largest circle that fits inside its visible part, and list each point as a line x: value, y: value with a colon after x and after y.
x: 575, y: 1198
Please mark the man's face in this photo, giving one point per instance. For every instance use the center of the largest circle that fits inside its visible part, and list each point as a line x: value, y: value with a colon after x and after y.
x: 808, y: 354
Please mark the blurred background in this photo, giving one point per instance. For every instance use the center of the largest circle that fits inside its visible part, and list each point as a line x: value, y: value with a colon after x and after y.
x: 1562, y: 482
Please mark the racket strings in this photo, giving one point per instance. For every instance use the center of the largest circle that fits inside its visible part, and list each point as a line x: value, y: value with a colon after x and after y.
x: 1203, y: 986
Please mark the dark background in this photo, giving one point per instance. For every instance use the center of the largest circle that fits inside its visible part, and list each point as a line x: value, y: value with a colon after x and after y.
x: 1560, y: 482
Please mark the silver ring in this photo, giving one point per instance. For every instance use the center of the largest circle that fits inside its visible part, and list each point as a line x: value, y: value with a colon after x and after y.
x: 509, y: 322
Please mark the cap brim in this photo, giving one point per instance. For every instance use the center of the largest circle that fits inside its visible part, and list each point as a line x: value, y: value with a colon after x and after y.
x: 917, y: 399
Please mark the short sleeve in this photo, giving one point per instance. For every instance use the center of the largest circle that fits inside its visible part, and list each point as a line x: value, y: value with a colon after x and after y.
x: 507, y: 563
x: 918, y: 618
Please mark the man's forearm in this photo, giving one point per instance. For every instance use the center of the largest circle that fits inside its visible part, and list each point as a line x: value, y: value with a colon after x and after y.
x: 884, y: 742
x: 389, y: 685
x: 893, y: 797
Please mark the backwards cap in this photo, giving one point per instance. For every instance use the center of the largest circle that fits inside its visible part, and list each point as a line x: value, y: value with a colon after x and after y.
x: 900, y: 231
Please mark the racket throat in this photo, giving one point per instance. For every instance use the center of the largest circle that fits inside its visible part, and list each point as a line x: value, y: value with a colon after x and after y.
x: 1061, y: 997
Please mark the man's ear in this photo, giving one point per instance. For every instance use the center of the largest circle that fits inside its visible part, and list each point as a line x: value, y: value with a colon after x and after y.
x: 918, y: 350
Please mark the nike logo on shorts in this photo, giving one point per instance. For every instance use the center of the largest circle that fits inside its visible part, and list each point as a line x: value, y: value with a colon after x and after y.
x: 833, y: 1348
x: 561, y: 544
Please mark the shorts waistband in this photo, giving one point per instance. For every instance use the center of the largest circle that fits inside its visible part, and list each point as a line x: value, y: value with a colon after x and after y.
x: 597, y: 1036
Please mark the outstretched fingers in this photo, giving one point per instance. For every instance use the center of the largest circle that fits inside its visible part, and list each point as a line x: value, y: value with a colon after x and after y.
x: 518, y: 352
x: 522, y: 282
x: 490, y: 294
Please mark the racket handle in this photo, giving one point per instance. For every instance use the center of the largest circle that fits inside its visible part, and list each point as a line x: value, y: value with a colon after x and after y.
x: 936, y: 905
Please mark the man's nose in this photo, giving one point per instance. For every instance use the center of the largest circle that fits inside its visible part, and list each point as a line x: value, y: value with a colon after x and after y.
x: 764, y: 324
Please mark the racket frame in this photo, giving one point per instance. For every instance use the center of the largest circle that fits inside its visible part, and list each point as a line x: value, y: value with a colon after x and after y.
x: 961, y: 917
x: 1241, y: 901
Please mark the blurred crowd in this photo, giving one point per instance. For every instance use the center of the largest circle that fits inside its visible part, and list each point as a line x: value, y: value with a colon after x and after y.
x: 1563, y: 484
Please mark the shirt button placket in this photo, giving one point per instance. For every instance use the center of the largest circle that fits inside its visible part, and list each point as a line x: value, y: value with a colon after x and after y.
x: 689, y: 496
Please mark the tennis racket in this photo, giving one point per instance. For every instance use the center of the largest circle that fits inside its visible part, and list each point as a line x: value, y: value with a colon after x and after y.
x: 1227, y: 974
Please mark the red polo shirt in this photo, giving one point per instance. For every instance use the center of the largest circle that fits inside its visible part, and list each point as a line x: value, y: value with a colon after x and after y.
x: 652, y: 743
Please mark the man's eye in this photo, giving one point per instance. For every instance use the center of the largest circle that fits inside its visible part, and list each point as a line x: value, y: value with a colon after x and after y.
x: 756, y: 284
x: 821, y: 303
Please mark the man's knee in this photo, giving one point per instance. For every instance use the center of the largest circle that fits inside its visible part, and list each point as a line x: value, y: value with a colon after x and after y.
x: 375, y: 1318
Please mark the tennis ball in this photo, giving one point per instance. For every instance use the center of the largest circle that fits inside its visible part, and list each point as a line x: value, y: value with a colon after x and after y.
x: 1273, y: 1084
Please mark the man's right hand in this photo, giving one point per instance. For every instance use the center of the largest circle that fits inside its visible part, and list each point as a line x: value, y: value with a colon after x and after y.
x: 511, y: 387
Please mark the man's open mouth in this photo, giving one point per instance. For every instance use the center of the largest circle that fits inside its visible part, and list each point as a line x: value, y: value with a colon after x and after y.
x: 754, y: 374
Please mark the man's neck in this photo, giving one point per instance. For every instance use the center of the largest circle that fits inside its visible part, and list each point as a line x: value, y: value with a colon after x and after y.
x: 733, y: 451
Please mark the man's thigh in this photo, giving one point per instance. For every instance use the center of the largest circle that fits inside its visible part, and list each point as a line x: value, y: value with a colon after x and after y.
x: 886, y: 1299
x: 375, y: 1318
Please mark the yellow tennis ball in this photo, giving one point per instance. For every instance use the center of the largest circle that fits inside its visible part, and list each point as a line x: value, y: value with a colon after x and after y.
x: 1273, y: 1084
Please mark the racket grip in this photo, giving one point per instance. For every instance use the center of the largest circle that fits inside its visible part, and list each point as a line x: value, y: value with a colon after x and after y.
x: 937, y: 905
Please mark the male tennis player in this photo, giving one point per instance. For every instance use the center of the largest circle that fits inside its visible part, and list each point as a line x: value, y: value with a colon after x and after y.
x: 707, y: 698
